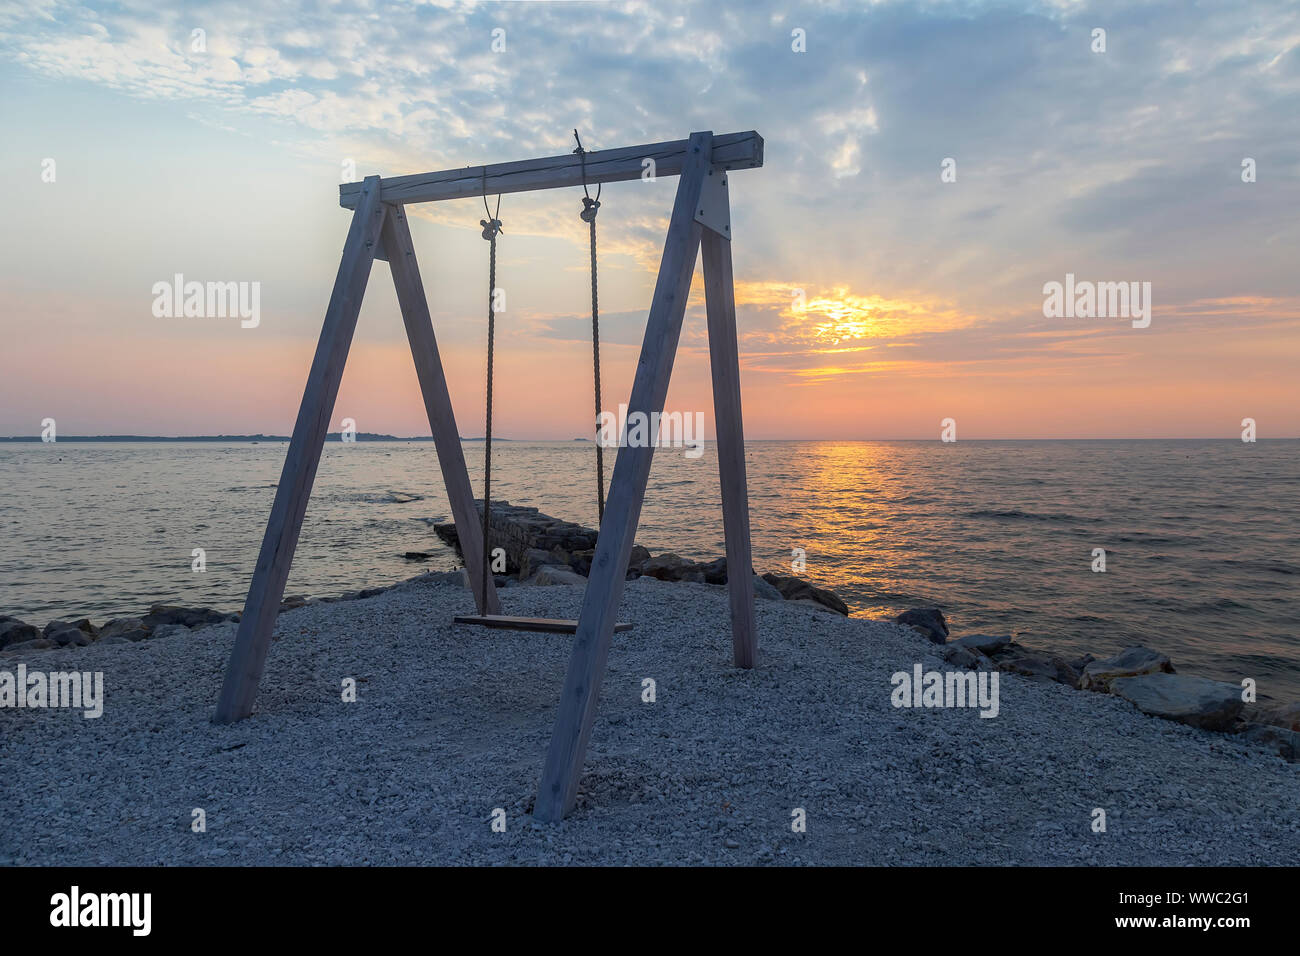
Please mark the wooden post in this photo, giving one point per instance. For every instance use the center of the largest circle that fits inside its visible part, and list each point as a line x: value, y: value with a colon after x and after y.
x: 267, y: 589
x: 720, y: 299
x: 577, y: 708
x: 437, y: 403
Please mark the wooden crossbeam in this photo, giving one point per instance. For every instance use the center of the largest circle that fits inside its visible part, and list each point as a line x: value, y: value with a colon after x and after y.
x: 730, y: 151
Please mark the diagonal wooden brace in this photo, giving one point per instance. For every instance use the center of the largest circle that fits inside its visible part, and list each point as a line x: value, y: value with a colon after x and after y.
x: 253, y: 639
x: 577, y: 709
x: 437, y: 403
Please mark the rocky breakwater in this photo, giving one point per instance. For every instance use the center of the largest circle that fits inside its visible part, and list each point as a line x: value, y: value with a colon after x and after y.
x: 160, y: 621
x: 539, y: 550
x: 1139, y: 675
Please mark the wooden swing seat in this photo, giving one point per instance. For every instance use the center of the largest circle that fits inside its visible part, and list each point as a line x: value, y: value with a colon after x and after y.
x: 550, y: 625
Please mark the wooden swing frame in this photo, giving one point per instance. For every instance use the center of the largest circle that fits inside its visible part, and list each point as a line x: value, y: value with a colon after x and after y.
x: 700, y: 221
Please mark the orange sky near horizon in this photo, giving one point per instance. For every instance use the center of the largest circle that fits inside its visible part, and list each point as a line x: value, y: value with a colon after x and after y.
x: 829, y: 369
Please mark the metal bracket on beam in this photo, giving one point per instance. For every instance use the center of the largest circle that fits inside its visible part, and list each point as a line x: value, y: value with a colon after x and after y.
x: 714, y: 211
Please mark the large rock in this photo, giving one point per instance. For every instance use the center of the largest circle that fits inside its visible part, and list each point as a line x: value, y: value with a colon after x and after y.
x: 1286, y: 716
x: 37, y: 644
x: 161, y: 614
x: 1080, y: 664
x: 169, y: 630
x: 965, y: 657
x: 66, y: 635
x: 82, y: 625
x: 459, y: 578
x: 554, y: 574
x: 1281, y: 741
x: 14, y: 631
x: 534, y: 559
x: 714, y: 572
x: 984, y: 643
x: 666, y: 566
x: 580, y: 561
x: 1004, y: 654
x: 1042, y: 668
x: 797, y: 589
x: 928, y: 620
x: 764, y: 590
x: 1130, y: 662
x: 130, y: 628
x: 1197, y: 701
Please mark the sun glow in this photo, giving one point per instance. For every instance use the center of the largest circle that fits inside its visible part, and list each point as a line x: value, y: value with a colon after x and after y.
x: 843, y: 321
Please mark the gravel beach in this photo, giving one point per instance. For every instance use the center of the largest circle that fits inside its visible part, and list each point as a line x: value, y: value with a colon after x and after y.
x: 452, y: 722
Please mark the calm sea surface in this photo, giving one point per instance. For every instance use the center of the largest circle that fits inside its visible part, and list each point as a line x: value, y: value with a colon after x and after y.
x: 1202, y: 538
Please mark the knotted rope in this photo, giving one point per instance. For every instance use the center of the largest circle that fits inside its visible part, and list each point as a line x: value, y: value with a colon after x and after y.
x: 588, y: 215
x: 491, y: 227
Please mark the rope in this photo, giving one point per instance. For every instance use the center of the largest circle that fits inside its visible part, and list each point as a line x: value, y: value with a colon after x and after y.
x: 588, y: 215
x: 491, y: 227
x: 595, y: 361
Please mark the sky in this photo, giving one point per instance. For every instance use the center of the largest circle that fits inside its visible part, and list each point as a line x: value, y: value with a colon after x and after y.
x: 929, y: 169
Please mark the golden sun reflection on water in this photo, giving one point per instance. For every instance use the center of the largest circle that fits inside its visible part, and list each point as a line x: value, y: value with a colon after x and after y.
x: 844, y: 509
